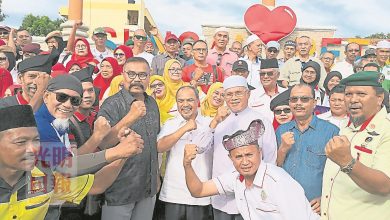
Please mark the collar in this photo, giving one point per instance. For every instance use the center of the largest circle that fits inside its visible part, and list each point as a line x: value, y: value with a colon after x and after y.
x: 241, y: 112
x: 20, y: 99
x: 260, y: 175
x: 166, y: 55
x: 276, y: 91
x: 297, y: 58
x: 369, y: 124
x: 246, y: 58
x: 44, y: 113
x: 88, y: 118
x: 313, y: 123
x: 214, y: 51
x: 198, y: 119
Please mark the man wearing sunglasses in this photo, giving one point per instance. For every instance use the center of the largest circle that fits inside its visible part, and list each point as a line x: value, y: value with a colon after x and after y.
x: 171, y: 45
x: 272, y: 49
x: 34, y: 74
x: 345, y: 67
x: 301, y: 143
x: 139, y: 40
x: 261, y: 97
x: 100, y: 51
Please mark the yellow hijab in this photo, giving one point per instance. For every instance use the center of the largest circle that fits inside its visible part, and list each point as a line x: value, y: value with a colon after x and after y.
x: 115, y: 85
x: 206, y: 108
x: 164, y: 104
x: 170, y: 85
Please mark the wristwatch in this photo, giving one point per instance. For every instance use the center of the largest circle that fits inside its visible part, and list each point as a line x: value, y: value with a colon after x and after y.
x: 348, y: 169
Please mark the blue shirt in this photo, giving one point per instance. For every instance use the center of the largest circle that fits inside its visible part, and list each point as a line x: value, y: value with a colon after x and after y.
x: 305, y: 161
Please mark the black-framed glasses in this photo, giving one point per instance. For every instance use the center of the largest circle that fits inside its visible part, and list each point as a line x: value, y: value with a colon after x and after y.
x: 139, y: 37
x: 279, y: 111
x: 62, y: 97
x: 304, y: 99
x: 133, y: 75
x: 82, y: 46
x: 153, y: 86
x: 119, y: 54
x: 175, y: 70
x: 270, y: 73
x: 4, y: 33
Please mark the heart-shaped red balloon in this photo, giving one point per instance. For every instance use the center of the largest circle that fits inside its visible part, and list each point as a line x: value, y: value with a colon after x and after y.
x: 270, y: 25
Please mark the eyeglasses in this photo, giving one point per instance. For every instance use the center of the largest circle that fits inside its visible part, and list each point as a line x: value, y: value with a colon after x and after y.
x: 139, y: 37
x: 270, y: 73
x: 304, y: 99
x: 238, y: 94
x: 175, y: 70
x: 62, y: 97
x: 119, y: 54
x: 279, y: 111
x: 219, y: 59
x: 157, y: 85
x: 272, y: 50
x: 4, y: 33
x: 3, y: 59
x: 200, y: 50
x: 81, y: 46
x: 133, y: 75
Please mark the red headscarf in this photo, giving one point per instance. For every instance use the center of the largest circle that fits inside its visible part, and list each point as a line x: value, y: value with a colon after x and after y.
x: 126, y: 50
x: 13, y: 88
x: 103, y: 83
x: 83, y: 60
x: 71, y: 63
x: 5, y: 81
x: 57, y: 70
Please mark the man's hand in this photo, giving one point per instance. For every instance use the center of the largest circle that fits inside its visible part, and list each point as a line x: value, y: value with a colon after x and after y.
x: 222, y: 113
x: 316, y: 205
x: 153, y: 31
x: 137, y: 110
x: 338, y: 149
x: 198, y: 73
x: 287, y: 141
x: 77, y: 24
x: 190, y: 125
x: 41, y: 81
x: 101, y: 127
x: 190, y: 152
x: 130, y: 144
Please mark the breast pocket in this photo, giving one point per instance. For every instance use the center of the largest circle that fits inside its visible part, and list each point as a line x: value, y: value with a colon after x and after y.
x: 266, y: 208
x: 315, y: 157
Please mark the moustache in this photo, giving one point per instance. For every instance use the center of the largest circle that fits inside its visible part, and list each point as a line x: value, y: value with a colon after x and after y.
x: 137, y: 84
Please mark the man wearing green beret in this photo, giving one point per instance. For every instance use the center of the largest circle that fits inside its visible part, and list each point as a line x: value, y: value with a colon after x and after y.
x: 356, y: 181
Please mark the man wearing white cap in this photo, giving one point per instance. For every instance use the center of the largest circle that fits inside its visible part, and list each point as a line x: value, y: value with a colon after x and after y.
x: 236, y: 97
x: 220, y: 55
x: 382, y: 55
x: 262, y: 190
x: 253, y: 46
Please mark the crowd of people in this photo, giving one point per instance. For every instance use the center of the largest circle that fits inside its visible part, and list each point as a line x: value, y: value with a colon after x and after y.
x: 191, y: 130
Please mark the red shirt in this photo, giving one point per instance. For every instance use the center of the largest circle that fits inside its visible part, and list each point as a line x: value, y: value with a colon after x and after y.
x: 208, y: 78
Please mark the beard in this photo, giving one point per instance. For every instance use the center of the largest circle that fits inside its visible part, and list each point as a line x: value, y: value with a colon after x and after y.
x: 357, y: 121
x: 61, y: 125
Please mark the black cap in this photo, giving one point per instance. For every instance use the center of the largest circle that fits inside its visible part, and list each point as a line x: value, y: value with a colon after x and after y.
x: 269, y: 63
x: 85, y: 74
x: 281, y: 99
x: 42, y: 63
x: 16, y: 116
x: 369, y: 52
x: 65, y: 82
x: 240, y: 65
x: 290, y: 43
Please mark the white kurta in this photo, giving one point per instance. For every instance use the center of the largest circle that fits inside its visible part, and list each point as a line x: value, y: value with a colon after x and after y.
x: 274, y: 195
x: 254, y: 74
x: 345, y: 68
x: 174, y: 188
x: 221, y: 161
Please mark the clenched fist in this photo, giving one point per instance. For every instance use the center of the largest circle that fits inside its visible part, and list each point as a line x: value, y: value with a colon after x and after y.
x: 222, y: 113
x: 190, y: 125
x: 287, y: 140
x: 41, y: 81
x: 190, y: 152
x: 137, y: 109
x: 101, y: 127
x: 130, y: 144
x: 338, y: 149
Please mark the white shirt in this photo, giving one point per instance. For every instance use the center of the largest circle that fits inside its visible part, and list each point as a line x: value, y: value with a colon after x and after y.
x: 101, y: 55
x: 254, y: 74
x: 221, y: 161
x: 147, y: 56
x: 327, y: 116
x: 174, y: 188
x: 274, y: 195
x: 260, y: 101
x: 345, y: 68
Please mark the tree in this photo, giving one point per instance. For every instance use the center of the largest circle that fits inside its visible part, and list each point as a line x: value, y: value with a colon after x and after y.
x: 40, y: 25
x: 2, y: 15
x: 377, y: 36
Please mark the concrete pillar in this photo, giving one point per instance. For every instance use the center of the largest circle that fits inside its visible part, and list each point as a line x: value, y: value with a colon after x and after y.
x: 75, y: 10
x: 269, y: 3
x: 75, y: 14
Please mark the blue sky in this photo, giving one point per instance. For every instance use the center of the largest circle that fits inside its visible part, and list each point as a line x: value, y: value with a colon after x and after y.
x: 350, y: 17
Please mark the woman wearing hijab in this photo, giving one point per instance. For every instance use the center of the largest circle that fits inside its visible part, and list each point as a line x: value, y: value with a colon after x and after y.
x: 213, y: 100
x: 331, y: 80
x: 72, y: 66
x: 281, y: 109
x: 82, y: 53
x: 12, y: 90
x: 5, y: 81
x: 311, y: 76
x: 109, y: 68
x: 122, y: 53
x: 8, y: 61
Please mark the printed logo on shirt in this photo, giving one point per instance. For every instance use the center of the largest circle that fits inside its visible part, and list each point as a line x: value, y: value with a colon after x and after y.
x: 206, y: 79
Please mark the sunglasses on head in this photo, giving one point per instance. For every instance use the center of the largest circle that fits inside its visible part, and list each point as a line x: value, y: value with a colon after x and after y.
x: 279, y: 111
x: 139, y: 37
x: 304, y: 99
x: 62, y: 97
